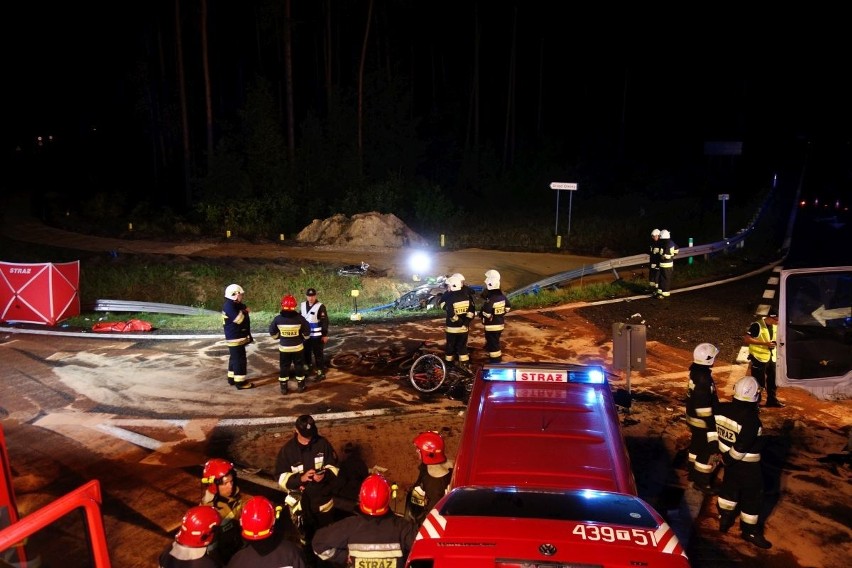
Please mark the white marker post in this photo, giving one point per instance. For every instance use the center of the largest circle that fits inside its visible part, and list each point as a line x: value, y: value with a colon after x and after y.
x: 723, y: 197
x: 560, y: 186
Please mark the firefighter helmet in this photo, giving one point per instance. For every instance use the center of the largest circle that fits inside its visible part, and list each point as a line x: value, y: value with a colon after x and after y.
x: 431, y: 447
x: 454, y: 283
x: 664, y: 234
x: 655, y: 233
x: 258, y: 518
x: 492, y: 279
x: 459, y: 275
x: 288, y: 302
x: 215, y: 470
x: 198, y: 526
x: 374, y: 497
x: 705, y: 354
x: 232, y: 291
x: 747, y: 389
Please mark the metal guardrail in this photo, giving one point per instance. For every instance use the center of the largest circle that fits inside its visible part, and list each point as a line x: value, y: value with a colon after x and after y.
x: 149, y: 307
x: 640, y: 259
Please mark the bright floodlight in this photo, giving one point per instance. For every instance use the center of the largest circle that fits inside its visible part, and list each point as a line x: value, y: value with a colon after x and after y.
x: 420, y: 263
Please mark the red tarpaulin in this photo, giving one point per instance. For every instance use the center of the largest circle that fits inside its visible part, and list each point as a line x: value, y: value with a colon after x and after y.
x: 39, y: 293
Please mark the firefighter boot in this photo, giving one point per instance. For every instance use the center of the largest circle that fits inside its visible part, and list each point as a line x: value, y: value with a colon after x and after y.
x: 319, y: 376
x: 301, y: 382
x: 283, y: 386
x: 754, y: 535
x: 726, y: 520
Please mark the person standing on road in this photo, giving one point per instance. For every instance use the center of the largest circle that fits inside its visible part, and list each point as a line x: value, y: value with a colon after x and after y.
x: 265, y: 548
x: 237, y: 325
x: 190, y: 547
x: 741, y: 441
x: 374, y: 536
x: 493, y: 313
x: 291, y: 330
x: 668, y: 251
x: 460, y: 311
x: 760, y: 339
x: 654, y: 257
x: 317, y: 316
x: 307, y: 465
x: 701, y: 403
x: 433, y: 478
x: 223, y: 493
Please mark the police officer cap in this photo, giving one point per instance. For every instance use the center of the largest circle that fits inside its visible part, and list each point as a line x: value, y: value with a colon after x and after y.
x: 306, y: 426
x: 310, y: 292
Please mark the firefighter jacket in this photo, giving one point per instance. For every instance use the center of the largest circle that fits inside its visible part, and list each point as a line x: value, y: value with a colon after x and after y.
x: 294, y: 459
x: 273, y: 552
x: 459, y: 307
x: 766, y: 333
x: 178, y: 555
x: 494, y: 310
x: 701, y: 398
x: 740, y: 431
x: 364, y: 541
x: 317, y: 317
x: 667, y: 253
x: 229, y: 539
x: 655, y: 252
x: 236, y: 322
x: 291, y: 330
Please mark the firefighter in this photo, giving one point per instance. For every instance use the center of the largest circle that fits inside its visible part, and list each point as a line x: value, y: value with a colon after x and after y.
x: 317, y: 316
x: 668, y: 251
x: 654, y: 256
x: 741, y: 441
x: 307, y: 470
x: 374, y: 536
x: 237, y: 325
x: 433, y: 478
x: 223, y: 493
x: 291, y: 330
x: 493, y: 313
x: 265, y: 548
x: 701, y: 402
x: 760, y: 339
x: 190, y: 547
x: 459, y: 308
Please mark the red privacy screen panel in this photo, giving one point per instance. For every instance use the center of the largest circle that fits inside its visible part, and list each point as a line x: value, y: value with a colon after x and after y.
x: 44, y: 293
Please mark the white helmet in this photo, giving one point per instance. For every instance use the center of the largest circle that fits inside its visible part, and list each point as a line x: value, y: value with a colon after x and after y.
x: 454, y: 282
x: 459, y: 276
x: 664, y: 234
x: 232, y: 291
x: 655, y: 233
x: 492, y: 279
x: 747, y: 389
x: 705, y: 354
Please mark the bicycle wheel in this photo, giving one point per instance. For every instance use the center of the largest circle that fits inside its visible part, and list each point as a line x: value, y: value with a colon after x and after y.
x: 427, y: 373
x: 345, y: 360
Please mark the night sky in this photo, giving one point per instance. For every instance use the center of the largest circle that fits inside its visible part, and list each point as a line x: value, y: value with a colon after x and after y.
x: 661, y: 81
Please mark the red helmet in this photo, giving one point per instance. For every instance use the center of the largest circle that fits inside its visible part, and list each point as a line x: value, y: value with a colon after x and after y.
x: 198, y: 526
x: 431, y: 446
x: 258, y: 518
x: 374, y: 497
x: 288, y: 302
x: 214, y: 470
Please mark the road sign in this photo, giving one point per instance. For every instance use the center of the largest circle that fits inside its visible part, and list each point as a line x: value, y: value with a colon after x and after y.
x: 724, y: 197
x: 561, y: 185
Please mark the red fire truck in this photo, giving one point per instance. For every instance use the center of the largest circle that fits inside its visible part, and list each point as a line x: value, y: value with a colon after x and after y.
x: 542, y: 479
x: 66, y: 532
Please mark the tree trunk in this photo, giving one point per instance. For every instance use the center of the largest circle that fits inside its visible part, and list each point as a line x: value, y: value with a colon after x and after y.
x: 184, y: 118
x: 288, y: 75
x: 361, y: 88
x: 208, y: 101
x: 509, y: 138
